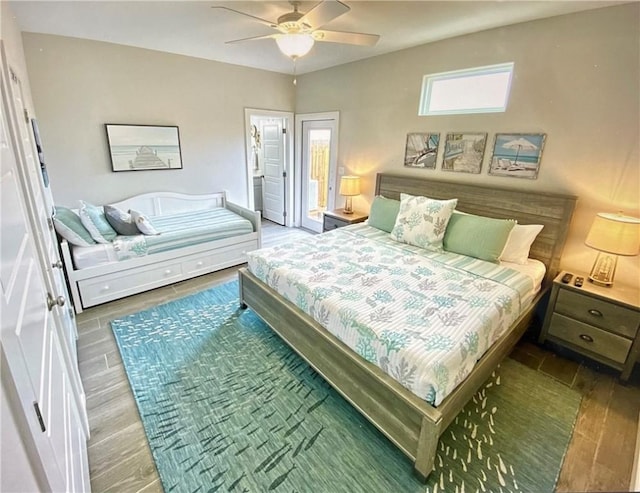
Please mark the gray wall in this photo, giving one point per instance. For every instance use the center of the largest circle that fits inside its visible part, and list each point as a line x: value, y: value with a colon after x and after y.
x: 79, y: 85
x: 577, y: 79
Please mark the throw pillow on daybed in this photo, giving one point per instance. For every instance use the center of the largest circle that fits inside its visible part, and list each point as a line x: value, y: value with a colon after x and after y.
x: 69, y: 226
x: 383, y: 213
x: 422, y: 221
x: 143, y: 223
x: 518, y: 245
x: 94, y: 220
x: 121, y: 221
x: 477, y: 236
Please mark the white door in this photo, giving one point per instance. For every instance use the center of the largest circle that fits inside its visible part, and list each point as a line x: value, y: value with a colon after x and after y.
x: 39, y: 205
x: 273, y: 189
x: 30, y: 346
x: 318, y: 173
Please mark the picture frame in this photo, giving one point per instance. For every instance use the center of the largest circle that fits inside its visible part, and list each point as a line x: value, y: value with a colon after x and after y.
x: 143, y: 147
x: 517, y: 155
x: 464, y: 152
x: 38, y: 143
x: 421, y: 150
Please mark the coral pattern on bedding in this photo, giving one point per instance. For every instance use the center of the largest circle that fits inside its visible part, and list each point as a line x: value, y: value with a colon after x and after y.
x: 419, y: 317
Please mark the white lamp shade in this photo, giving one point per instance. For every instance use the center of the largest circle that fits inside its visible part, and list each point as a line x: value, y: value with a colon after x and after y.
x: 615, y: 233
x: 295, y: 45
x: 350, y: 186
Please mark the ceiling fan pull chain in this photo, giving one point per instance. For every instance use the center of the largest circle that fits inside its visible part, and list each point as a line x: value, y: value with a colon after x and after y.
x: 295, y: 79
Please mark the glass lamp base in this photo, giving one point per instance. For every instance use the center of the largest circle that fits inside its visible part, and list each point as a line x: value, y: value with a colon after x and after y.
x: 603, y: 270
x: 348, y: 207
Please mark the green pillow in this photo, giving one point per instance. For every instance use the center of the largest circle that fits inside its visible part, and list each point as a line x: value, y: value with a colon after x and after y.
x: 383, y: 213
x: 94, y: 220
x: 69, y: 226
x: 477, y: 236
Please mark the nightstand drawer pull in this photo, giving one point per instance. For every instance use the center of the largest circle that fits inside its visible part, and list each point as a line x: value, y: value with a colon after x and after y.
x: 586, y: 338
x: 595, y: 313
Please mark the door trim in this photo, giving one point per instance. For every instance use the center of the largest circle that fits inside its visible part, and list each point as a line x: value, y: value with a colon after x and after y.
x: 309, y: 117
x: 288, y: 118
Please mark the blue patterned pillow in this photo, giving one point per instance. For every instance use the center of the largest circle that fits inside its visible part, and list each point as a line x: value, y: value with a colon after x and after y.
x: 94, y: 220
x: 422, y: 221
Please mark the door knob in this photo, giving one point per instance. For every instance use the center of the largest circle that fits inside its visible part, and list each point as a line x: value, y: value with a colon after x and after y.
x: 52, y: 302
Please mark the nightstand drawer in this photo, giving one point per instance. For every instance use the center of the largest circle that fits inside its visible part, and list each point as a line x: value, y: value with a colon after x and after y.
x: 597, y: 312
x: 585, y: 336
x: 331, y: 223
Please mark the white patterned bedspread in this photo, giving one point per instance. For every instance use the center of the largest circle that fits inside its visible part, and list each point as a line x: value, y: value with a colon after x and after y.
x: 424, y: 318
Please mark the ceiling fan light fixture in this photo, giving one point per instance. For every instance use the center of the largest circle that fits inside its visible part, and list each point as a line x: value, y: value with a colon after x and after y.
x: 295, y: 45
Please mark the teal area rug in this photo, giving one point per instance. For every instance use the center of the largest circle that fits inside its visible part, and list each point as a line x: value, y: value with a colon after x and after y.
x: 228, y: 407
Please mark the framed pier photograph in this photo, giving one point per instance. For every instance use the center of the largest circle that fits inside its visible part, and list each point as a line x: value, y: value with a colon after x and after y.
x: 143, y: 147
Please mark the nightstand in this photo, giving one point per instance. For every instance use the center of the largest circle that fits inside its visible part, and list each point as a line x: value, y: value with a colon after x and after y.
x: 599, y: 322
x: 337, y: 219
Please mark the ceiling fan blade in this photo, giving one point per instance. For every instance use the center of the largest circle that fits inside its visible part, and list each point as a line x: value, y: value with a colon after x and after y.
x: 262, y: 21
x: 324, y: 12
x: 360, y: 39
x: 253, y: 38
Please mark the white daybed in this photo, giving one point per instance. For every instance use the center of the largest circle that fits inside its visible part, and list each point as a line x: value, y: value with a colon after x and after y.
x: 112, y: 280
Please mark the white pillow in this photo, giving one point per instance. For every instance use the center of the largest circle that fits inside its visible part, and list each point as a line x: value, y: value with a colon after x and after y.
x: 422, y: 221
x: 143, y: 223
x: 519, y: 243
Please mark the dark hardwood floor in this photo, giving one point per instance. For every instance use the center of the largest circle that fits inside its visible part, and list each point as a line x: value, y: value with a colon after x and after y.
x: 600, y: 455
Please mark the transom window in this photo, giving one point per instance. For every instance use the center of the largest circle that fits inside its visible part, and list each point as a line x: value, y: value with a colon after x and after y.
x: 475, y: 90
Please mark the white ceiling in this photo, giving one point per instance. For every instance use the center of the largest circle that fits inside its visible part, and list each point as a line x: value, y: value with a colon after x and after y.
x: 192, y: 28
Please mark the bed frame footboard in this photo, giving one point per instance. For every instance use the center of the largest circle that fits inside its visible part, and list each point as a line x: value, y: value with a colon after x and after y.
x: 411, y: 423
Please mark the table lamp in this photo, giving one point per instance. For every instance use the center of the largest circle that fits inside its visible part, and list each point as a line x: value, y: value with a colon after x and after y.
x: 611, y: 235
x: 349, y: 187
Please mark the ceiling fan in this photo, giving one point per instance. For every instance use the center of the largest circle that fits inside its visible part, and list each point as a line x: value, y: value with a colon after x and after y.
x: 297, y: 31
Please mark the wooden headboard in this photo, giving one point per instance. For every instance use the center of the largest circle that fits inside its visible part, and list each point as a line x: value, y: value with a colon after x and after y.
x: 552, y: 210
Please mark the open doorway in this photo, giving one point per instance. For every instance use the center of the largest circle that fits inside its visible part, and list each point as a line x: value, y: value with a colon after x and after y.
x: 269, y: 150
x: 317, y: 146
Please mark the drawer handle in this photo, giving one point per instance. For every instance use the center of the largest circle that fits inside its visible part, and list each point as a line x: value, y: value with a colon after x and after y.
x: 586, y: 338
x: 595, y: 313
x: 200, y: 264
x: 106, y: 287
x: 167, y: 272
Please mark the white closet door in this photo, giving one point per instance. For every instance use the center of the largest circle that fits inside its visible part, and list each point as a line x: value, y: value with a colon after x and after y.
x: 274, y: 179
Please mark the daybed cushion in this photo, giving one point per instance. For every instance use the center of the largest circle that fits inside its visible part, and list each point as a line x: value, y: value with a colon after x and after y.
x: 177, y: 231
x: 94, y: 220
x: 477, y: 236
x: 422, y: 221
x: 121, y: 221
x: 69, y: 226
x: 518, y: 245
x: 383, y: 213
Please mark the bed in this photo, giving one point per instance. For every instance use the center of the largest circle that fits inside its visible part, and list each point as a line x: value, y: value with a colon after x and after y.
x: 200, y: 234
x: 408, y: 420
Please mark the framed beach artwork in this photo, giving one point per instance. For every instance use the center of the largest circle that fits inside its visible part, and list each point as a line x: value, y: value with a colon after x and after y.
x: 463, y: 152
x: 421, y: 150
x: 143, y: 147
x: 517, y: 155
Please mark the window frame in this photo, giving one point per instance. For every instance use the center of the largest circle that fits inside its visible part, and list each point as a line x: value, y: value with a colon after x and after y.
x: 429, y: 80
